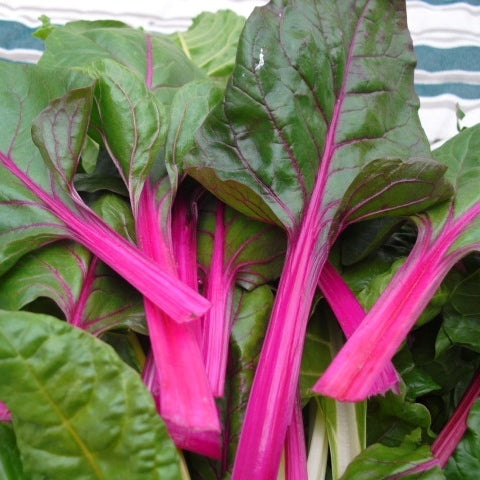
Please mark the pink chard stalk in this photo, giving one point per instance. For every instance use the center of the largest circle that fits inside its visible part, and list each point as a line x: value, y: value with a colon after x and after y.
x: 446, y: 233
x: 5, y: 415
x: 350, y: 313
x: 148, y: 156
x: 184, y: 397
x: 234, y: 250
x: 297, y: 160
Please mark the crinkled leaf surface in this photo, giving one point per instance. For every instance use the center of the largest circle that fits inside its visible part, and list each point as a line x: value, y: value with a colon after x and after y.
x: 96, y: 417
x: 155, y: 58
x: 392, y: 417
x: 287, y: 122
x: 211, y: 41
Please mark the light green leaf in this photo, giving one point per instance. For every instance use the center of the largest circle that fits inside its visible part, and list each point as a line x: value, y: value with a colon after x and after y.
x: 78, y: 410
x: 211, y: 41
x: 11, y: 467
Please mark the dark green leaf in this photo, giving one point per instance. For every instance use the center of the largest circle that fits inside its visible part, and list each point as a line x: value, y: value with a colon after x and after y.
x: 88, y: 293
x: 461, y: 316
x: 361, y: 239
x: 465, y: 463
x: 285, y: 117
x: 102, y: 176
x: 379, y: 462
x: 391, y: 417
x: 132, y: 122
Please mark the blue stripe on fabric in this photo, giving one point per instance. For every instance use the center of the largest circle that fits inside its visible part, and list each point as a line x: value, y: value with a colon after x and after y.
x: 475, y: 3
x: 439, y: 59
x: 17, y: 35
x: 462, y: 90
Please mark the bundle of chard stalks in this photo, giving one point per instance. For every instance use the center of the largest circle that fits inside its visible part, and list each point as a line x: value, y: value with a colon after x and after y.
x: 230, y: 253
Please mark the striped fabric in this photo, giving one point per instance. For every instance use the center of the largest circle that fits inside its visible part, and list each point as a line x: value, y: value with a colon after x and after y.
x: 446, y: 36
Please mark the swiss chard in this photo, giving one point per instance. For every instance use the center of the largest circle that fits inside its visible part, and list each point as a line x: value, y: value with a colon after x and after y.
x: 304, y: 118
x: 305, y: 109
x: 446, y: 233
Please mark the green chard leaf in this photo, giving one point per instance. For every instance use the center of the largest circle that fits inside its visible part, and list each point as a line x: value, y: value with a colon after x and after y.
x: 88, y: 293
x: 97, y: 419
x: 153, y: 57
x: 461, y: 315
x: 211, y: 41
x: 24, y: 92
x: 38, y: 200
x: 410, y: 460
x: 11, y: 467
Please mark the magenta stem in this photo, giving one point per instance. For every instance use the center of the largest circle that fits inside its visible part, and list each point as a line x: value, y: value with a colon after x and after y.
x: 86, y: 227
x: 295, y: 448
x: 354, y: 370
x: 350, y: 314
x: 217, y: 321
x: 451, y: 434
x: 185, y: 399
